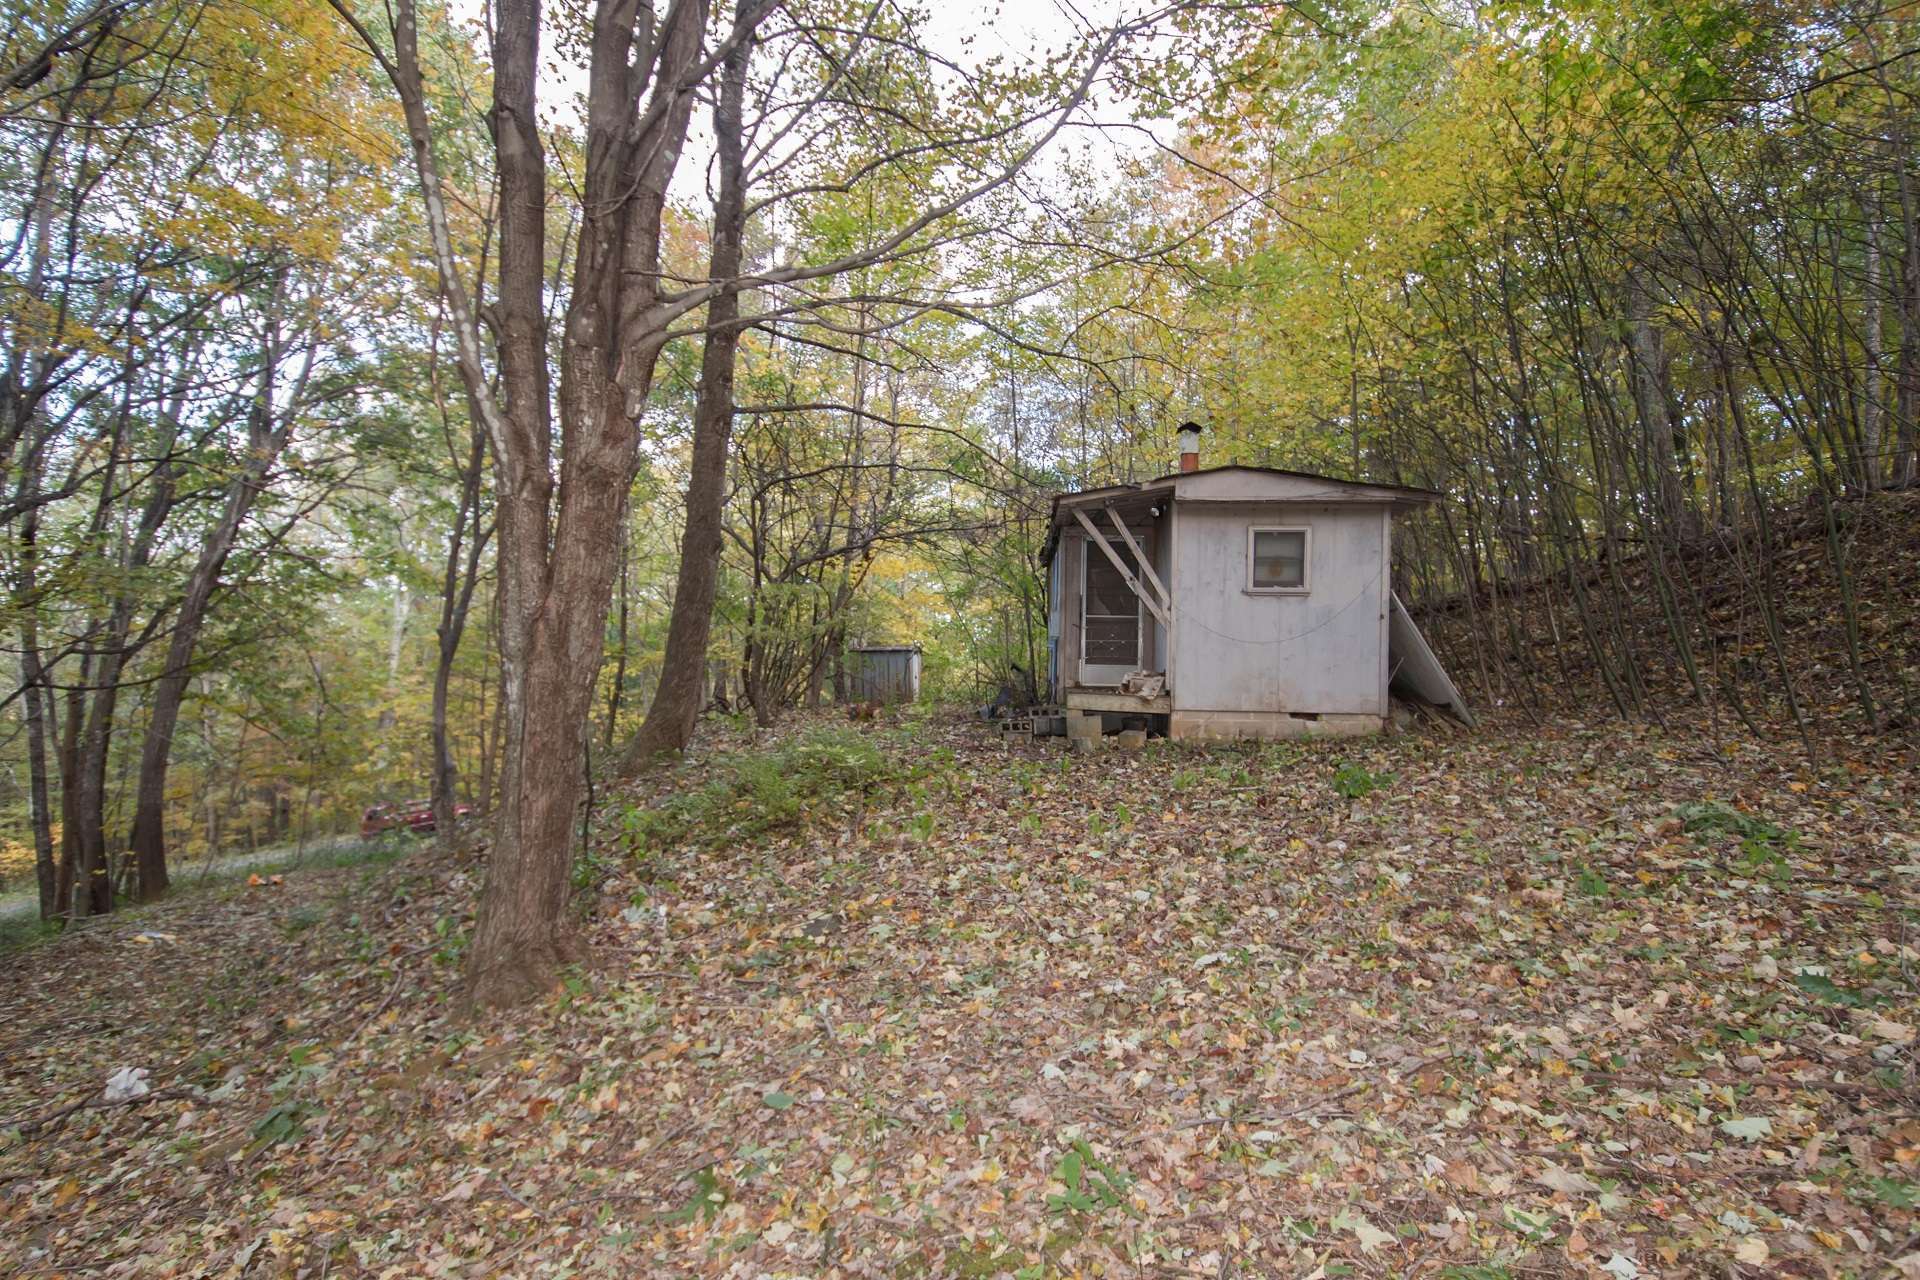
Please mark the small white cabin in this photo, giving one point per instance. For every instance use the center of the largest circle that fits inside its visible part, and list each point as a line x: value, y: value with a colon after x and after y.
x: 1234, y: 602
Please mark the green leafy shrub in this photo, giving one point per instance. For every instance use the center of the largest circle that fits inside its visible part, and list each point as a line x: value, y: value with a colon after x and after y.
x: 285, y: 1122
x: 1353, y: 780
x: 1827, y: 991
x: 1092, y: 1185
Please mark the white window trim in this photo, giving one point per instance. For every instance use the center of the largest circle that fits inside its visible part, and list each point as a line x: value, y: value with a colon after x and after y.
x: 1306, y: 559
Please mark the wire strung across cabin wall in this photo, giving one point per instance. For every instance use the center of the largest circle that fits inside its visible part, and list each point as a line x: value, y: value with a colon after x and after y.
x: 1327, y: 621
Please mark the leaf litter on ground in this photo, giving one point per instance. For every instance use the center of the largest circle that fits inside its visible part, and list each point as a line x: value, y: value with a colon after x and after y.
x: 1583, y: 1000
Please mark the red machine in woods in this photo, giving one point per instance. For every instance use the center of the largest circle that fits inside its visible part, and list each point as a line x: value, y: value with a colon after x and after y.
x: 411, y: 815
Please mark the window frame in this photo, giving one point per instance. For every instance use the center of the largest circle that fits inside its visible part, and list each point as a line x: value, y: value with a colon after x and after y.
x: 1306, y: 559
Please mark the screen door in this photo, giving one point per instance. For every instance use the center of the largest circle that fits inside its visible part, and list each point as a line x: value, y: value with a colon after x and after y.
x: 1109, y: 621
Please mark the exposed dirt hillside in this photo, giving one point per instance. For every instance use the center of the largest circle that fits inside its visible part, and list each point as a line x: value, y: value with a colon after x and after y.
x: 1596, y: 1000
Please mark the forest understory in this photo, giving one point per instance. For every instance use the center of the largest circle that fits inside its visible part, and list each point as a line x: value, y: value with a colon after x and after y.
x: 1579, y: 998
x: 1552, y: 645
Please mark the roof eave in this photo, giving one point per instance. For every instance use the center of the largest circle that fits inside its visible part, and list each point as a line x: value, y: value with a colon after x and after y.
x: 1410, y: 492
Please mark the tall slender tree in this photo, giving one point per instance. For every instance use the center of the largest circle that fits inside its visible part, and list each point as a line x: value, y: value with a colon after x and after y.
x: 559, y: 517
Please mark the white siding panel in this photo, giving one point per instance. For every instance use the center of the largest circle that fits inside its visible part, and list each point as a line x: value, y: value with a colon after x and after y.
x: 1319, y: 652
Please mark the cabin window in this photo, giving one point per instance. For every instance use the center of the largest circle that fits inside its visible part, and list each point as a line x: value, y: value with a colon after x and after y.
x: 1277, y: 560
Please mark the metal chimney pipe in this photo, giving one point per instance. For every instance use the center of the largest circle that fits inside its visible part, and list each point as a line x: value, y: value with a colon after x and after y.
x: 1189, y: 446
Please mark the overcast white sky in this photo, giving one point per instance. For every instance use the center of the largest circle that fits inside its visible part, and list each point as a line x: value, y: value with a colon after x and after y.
x: 967, y: 32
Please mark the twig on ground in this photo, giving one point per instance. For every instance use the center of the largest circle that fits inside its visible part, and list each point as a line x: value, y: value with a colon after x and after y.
x: 32, y: 1128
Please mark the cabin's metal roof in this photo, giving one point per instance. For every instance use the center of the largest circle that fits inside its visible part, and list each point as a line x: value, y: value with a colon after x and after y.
x: 1170, y: 484
x: 1424, y: 495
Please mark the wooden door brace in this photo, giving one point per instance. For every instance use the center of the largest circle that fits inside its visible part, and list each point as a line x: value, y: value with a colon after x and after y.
x: 1146, y: 565
x: 1133, y: 584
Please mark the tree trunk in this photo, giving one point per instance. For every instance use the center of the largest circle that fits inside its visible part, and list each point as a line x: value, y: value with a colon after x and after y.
x: 396, y: 650
x: 492, y: 722
x: 96, y: 739
x: 682, y: 691
x: 1902, y: 469
x: 456, y: 599
x: 149, y: 841
x: 68, y: 755
x: 33, y: 681
x: 267, y: 434
x: 1662, y: 429
x: 753, y: 662
x: 556, y: 579
x: 622, y: 627
x: 1873, y: 342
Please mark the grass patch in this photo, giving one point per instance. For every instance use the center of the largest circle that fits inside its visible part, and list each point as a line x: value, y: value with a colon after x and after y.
x: 1763, y: 845
x: 21, y: 930
x: 1708, y: 818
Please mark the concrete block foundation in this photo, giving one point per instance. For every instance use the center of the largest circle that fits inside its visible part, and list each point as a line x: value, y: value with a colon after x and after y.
x: 1266, y: 726
x: 1083, y: 726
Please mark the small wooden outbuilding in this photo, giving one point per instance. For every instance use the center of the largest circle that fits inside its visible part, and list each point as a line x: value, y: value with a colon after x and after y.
x: 1234, y: 602
x: 883, y: 673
